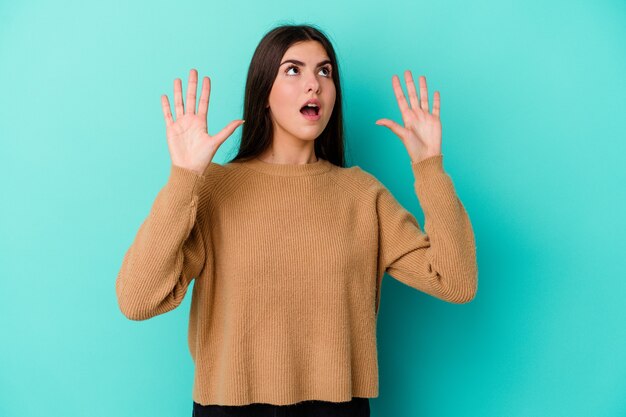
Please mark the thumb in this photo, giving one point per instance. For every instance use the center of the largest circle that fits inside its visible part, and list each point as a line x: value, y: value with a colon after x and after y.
x: 393, y: 126
x: 228, y: 130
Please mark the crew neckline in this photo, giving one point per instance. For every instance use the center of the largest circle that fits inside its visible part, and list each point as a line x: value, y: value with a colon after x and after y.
x: 288, y: 170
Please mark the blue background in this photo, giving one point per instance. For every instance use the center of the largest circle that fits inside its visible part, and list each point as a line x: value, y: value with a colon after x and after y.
x: 532, y: 108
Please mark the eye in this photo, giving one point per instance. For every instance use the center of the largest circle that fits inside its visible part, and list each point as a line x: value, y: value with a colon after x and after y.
x: 294, y: 67
x: 328, y: 71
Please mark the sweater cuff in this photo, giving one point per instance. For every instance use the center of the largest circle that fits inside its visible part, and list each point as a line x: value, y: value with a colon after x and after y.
x: 184, y: 181
x: 427, y: 167
x: 430, y: 175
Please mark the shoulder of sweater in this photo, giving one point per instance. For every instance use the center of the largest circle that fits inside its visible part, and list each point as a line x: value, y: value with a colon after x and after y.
x: 357, y: 180
x: 216, y: 179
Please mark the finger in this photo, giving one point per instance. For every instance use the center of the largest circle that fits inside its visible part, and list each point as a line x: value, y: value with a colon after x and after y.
x: 227, y: 131
x: 167, y: 114
x: 436, y: 103
x: 397, y: 89
x: 410, y: 86
x: 395, y: 127
x: 423, y: 94
x: 178, y: 98
x: 192, y: 87
x: 203, y: 107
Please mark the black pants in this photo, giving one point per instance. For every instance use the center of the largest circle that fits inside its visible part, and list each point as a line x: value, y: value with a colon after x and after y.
x: 357, y: 407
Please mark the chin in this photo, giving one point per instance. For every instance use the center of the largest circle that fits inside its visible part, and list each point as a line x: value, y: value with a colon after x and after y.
x: 307, y: 134
x: 311, y: 137
x: 306, y: 137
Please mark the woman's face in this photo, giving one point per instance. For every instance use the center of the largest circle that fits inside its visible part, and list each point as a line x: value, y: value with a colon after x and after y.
x: 305, y: 73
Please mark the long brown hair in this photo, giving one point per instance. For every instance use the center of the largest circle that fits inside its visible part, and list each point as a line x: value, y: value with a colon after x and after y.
x: 257, y: 132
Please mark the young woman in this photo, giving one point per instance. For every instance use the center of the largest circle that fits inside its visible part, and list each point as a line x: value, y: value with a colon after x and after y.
x: 288, y: 246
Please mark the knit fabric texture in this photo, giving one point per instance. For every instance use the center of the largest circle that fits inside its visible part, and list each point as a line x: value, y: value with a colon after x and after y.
x: 287, y: 262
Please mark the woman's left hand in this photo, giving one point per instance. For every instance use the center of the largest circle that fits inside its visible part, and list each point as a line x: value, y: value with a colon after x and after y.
x: 421, y: 133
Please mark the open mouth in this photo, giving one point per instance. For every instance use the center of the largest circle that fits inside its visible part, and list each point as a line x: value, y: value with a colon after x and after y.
x: 310, y: 110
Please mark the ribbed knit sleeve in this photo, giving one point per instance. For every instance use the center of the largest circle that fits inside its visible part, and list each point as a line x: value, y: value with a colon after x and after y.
x: 167, y: 251
x: 441, y: 260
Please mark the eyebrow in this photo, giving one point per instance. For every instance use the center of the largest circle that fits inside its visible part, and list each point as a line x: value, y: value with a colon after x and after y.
x: 295, y: 61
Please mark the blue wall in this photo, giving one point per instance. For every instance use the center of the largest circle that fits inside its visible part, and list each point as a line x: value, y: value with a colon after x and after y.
x: 532, y: 107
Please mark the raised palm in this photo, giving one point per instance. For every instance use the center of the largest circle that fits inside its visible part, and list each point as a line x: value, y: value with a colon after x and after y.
x: 421, y: 133
x: 188, y: 140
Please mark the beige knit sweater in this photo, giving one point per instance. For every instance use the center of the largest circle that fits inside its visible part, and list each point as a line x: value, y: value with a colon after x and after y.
x: 288, y: 262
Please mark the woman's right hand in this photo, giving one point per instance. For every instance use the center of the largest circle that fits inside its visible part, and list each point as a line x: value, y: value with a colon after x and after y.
x: 188, y: 140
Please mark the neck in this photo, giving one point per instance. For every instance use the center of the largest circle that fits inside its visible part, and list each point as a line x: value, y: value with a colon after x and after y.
x: 319, y: 166
x: 274, y: 157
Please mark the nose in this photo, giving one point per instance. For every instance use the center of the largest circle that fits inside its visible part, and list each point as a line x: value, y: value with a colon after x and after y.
x: 312, y: 83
